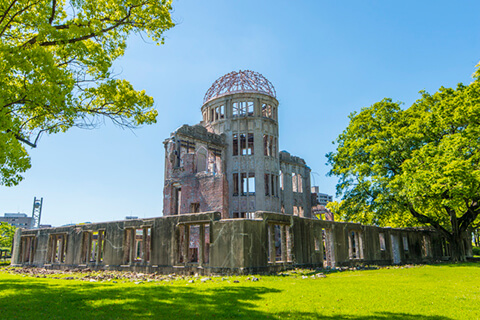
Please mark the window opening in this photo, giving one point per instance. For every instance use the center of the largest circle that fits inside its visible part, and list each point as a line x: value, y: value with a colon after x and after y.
x: 317, y: 243
x: 267, y: 111
x: 243, y: 183
x: 195, y: 207
x: 202, y: 160
x: 405, y: 243
x: 27, y: 251
x: 235, y: 144
x: 250, y: 144
x: 251, y: 183
x: 178, y: 199
x: 138, y: 244
x: 194, y: 243
x: 235, y: 184
x: 426, y: 246
x: 355, y: 245
x: 57, y: 248
x: 294, y: 182
x: 101, y: 245
x: 94, y: 247
x: 279, y: 243
x: 267, y: 184
x: 273, y: 184
x: 381, y: 237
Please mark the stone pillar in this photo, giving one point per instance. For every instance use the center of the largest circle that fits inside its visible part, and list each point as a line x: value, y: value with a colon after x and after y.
x: 283, y: 233
x: 186, y: 244
x: 201, y: 245
x: 271, y: 242
x: 16, y: 247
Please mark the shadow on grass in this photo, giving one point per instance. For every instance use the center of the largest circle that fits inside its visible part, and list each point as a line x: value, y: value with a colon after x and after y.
x: 31, y: 299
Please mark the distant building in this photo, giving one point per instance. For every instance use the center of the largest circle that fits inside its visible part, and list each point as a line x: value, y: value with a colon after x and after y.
x: 19, y: 220
x: 131, y: 218
x: 322, y: 198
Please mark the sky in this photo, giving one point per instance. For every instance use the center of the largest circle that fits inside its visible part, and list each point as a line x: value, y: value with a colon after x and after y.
x: 325, y: 59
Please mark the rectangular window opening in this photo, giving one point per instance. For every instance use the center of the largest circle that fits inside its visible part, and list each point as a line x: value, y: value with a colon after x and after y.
x: 177, y: 199
x: 381, y: 237
x: 250, y: 144
x: 195, y: 207
x: 251, y: 183
x: 194, y: 243
x: 317, y: 243
x: 250, y: 108
x: 235, y: 144
x: 235, y: 184
x: 294, y: 182
x: 94, y: 247
x: 267, y: 184
x: 243, y: 183
x: 405, y: 243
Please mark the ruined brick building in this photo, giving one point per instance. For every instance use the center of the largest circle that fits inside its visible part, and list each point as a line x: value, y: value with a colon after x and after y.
x: 231, y: 162
x: 233, y: 203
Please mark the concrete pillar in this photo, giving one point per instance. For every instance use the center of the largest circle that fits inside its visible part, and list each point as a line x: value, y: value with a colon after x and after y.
x: 284, y: 242
x: 201, y: 245
x: 186, y: 244
x: 271, y: 242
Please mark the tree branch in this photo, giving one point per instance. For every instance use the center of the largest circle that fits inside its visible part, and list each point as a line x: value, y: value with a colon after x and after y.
x: 54, y: 4
x: 6, y: 11
x: 13, y: 17
x: 425, y: 219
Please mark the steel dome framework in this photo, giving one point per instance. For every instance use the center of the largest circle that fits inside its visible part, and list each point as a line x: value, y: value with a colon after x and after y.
x: 240, y: 82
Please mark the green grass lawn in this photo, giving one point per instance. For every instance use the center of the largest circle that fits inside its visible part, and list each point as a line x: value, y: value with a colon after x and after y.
x: 421, y: 292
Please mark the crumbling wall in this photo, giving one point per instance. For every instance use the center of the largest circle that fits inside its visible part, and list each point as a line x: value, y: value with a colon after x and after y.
x: 194, y: 172
x: 205, y: 243
x: 295, y: 193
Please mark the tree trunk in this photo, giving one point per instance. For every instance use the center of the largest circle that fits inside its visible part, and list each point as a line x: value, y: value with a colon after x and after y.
x: 457, y: 247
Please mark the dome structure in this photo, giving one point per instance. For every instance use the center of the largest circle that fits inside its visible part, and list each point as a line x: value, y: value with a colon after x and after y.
x: 240, y: 82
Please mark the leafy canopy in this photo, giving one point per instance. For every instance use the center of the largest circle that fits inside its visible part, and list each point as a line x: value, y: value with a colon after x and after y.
x: 7, y: 231
x: 55, y: 69
x: 415, y: 166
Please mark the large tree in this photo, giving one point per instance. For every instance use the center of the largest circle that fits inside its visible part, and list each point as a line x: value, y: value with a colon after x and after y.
x: 419, y: 166
x: 55, y: 69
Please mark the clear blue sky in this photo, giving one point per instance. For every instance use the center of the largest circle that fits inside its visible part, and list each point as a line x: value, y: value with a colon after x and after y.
x: 325, y: 59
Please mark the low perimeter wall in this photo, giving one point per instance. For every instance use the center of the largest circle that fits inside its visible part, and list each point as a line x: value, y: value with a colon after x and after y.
x: 204, y: 243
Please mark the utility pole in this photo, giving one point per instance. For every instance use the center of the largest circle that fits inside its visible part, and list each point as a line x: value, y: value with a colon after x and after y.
x: 37, y: 212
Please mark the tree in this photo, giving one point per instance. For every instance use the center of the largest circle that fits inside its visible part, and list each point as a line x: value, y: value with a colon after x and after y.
x: 419, y: 166
x: 55, y: 62
x: 7, y: 231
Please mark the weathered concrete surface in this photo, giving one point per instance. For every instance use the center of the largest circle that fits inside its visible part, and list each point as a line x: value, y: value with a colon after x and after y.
x: 204, y: 243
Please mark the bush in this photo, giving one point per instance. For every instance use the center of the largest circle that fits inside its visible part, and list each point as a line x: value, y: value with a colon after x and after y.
x: 476, y: 251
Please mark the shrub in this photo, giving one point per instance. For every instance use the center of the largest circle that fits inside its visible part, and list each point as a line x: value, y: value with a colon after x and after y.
x: 476, y: 251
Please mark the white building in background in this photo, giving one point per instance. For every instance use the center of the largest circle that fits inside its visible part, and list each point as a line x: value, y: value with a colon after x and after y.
x: 322, y: 198
x: 19, y: 220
